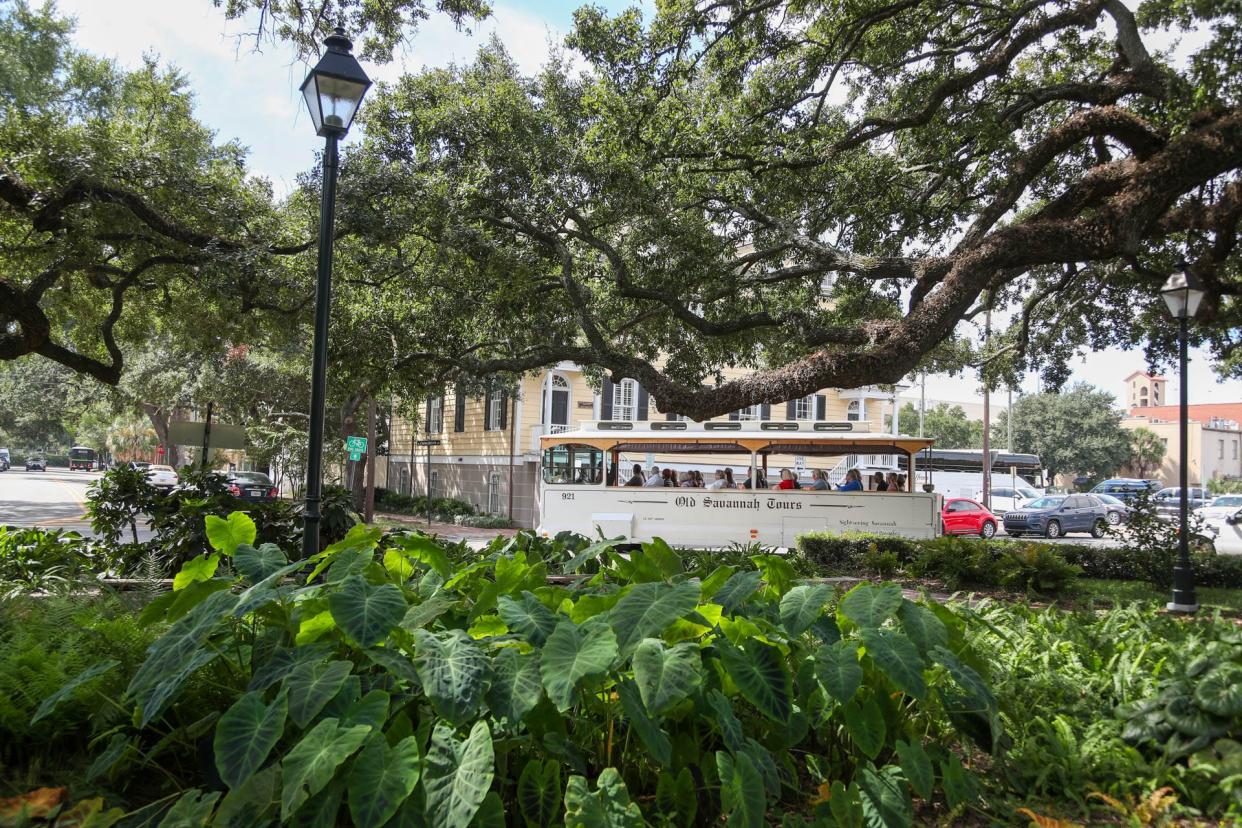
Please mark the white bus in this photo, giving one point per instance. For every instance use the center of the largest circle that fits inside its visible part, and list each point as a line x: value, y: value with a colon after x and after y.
x: 959, y: 473
x: 584, y: 472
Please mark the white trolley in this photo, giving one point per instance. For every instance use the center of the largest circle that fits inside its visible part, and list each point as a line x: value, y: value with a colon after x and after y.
x: 583, y: 475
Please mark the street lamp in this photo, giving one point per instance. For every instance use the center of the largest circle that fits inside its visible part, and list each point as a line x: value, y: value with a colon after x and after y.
x: 1182, y: 293
x: 333, y: 92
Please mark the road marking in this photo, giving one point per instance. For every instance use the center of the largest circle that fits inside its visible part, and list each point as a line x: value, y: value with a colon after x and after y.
x: 76, y: 499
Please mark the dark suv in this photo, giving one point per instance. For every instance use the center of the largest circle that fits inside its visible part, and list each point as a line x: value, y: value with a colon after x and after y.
x: 1057, y: 515
x: 1168, y: 501
x: 1126, y: 489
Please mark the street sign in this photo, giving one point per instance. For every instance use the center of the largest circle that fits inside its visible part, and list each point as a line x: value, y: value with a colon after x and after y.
x: 223, y: 436
x: 427, y: 442
x: 356, y: 445
x: 355, y: 455
x: 800, y: 462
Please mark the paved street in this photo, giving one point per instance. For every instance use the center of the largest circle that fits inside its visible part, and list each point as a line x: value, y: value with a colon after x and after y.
x: 55, y: 499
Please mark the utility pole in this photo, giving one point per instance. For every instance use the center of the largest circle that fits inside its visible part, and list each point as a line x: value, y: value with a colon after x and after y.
x: 206, y: 437
x: 987, y: 420
x: 369, y: 501
x: 922, y: 401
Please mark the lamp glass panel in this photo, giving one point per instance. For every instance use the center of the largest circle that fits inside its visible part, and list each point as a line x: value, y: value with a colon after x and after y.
x: 311, y: 95
x: 338, y: 100
x: 1176, y: 300
x: 1193, y: 298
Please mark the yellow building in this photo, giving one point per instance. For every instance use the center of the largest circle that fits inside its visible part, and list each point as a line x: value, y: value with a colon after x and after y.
x: 489, y: 446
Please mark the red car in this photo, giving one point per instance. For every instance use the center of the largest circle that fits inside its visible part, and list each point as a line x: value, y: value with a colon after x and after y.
x: 963, y: 516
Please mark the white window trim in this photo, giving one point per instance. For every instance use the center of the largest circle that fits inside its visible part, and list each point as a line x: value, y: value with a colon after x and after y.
x: 494, y: 410
x: 750, y: 414
x: 435, y: 415
x: 861, y: 415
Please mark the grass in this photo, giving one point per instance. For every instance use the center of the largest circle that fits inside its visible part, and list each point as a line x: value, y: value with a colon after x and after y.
x: 1124, y: 592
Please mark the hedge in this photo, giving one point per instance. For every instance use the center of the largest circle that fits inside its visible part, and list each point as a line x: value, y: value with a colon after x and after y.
x: 969, y: 561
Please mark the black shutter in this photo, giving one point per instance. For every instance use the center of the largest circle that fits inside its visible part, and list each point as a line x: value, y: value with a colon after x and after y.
x: 440, y: 404
x: 791, y: 410
x: 735, y: 415
x: 765, y: 412
x: 670, y: 417
x: 605, y: 402
x: 821, y: 406
x: 427, y: 416
x: 459, y: 409
x: 488, y: 425
x: 504, y: 410
x: 643, y: 404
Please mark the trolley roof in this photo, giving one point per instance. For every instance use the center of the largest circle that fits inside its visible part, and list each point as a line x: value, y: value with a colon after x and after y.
x: 767, y: 437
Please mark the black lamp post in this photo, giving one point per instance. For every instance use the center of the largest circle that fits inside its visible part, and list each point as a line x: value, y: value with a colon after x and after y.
x: 333, y: 92
x: 1182, y: 293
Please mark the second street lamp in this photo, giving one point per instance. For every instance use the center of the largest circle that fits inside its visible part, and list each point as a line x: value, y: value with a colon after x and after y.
x: 1182, y: 293
x: 333, y: 92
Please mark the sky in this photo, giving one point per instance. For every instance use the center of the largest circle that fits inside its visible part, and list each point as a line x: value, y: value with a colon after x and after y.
x: 252, y: 97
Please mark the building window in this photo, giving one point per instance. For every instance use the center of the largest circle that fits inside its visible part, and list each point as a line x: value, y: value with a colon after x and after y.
x: 1235, y: 449
x: 804, y: 408
x: 435, y: 415
x: 855, y: 411
x: 433, y: 487
x: 493, y: 493
x: 1220, y: 449
x: 750, y: 413
x: 625, y: 400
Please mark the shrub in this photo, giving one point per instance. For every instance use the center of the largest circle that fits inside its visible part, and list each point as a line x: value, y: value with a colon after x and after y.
x: 46, y: 560
x: 720, y: 699
x: 484, y: 521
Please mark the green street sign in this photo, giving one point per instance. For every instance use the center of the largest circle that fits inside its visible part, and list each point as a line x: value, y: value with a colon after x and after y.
x: 356, y: 445
x: 355, y: 455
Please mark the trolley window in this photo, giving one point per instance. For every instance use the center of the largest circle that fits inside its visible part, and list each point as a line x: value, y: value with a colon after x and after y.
x: 573, y: 465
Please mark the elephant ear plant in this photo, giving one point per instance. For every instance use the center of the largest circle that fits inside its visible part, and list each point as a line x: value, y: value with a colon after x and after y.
x: 405, y: 687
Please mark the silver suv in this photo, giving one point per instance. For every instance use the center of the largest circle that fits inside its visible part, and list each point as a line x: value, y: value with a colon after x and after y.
x: 36, y: 462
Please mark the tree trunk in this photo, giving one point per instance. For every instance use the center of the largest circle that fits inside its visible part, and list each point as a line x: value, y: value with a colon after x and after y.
x: 159, y: 421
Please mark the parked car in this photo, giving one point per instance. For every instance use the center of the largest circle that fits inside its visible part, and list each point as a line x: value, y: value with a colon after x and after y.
x: 253, y: 487
x: 139, y: 465
x: 1224, y: 530
x: 1055, y: 515
x: 4, y: 459
x: 163, y: 478
x: 1126, y: 489
x: 963, y: 516
x: 1220, y: 507
x: 1118, y: 510
x: 1007, y: 498
x: 36, y: 462
x: 1168, y: 501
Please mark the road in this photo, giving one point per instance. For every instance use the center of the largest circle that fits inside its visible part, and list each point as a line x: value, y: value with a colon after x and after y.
x: 54, y: 499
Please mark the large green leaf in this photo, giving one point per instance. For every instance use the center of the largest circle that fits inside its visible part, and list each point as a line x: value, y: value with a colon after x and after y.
x: 649, y: 733
x: 201, y: 568
x: 169, y: 657
x: 1220, y: 691
x: 246, y: 734
x: 250, y: 804
x: 192, y: 808
x: 924, y: 628
x: 366, y: 612
x: 865, y: 724
x: 742, y: 794
x: 662, y: 555
x: 777, y: 572
x: 870, y: 606
x: 758, y: 671
x: 886, y: 800
x: 837, y: 668
x: 539, y: 792
x: 978, y: 694
x: 71, y: 686
x: 898, y: 658
x: 739, y: 587
x: 310, y: 764
x: 257, y: 564
x: 917, y: 766
x: 226, y: 534
x: 665, y: 675
x: 381, y: 778
x: 802, y: 605
x: 648, y: 609
x: 453, y: 671
x: 311, y: 685
x: 427, y: 551
x: 420, y: 615
x: 726, y: 720
x: 608, y: 806
x: 527, y: 616
x: 676, y: 799
x: 589, y: 554
x: 515, y: 688
x: 458, y: 775
x: 573, y: 652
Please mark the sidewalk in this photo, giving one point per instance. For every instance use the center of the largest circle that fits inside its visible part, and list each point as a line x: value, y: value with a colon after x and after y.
x: 448, y: 531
